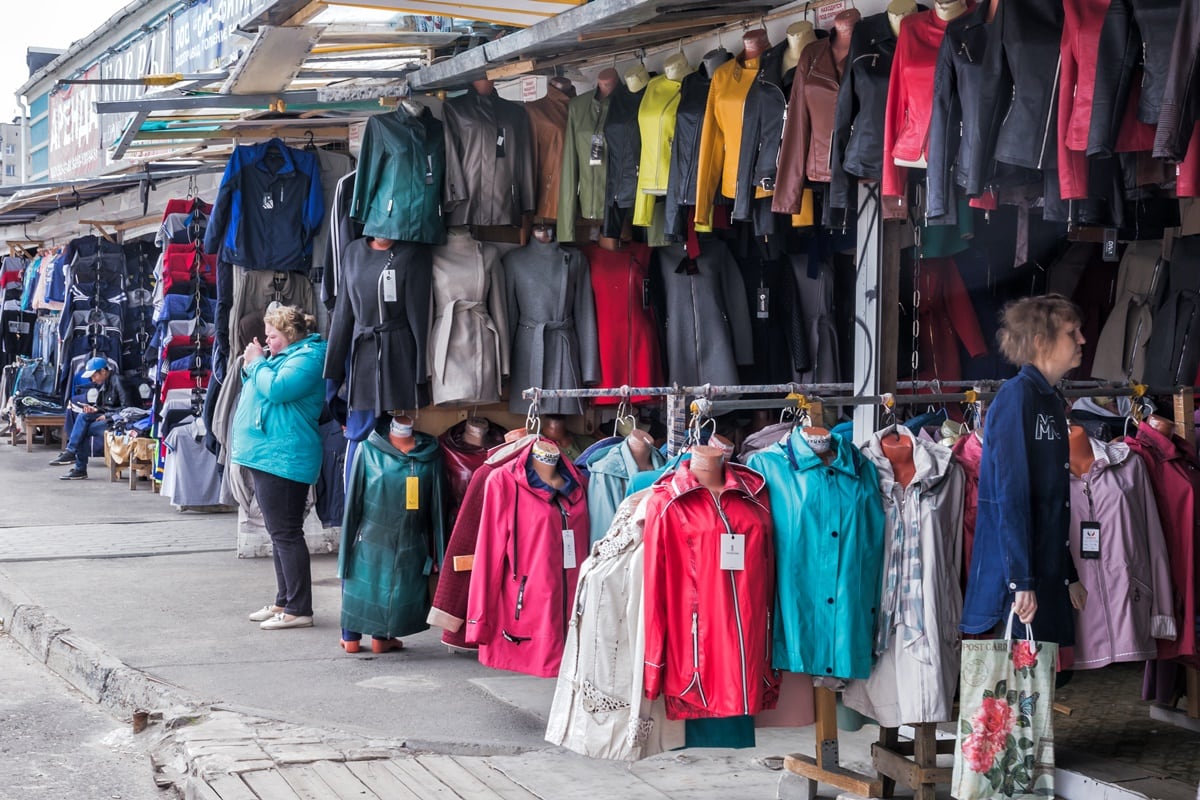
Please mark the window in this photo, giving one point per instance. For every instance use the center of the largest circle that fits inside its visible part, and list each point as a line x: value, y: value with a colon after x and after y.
x: 10, y: 149
x: 10, y: 170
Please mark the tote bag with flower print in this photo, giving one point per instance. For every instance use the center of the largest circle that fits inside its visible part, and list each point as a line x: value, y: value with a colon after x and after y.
x: 1005, y: 744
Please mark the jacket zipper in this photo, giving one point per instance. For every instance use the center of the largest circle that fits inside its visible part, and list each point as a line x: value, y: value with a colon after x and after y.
x: 737, y: 614
x: 696, y: 660
x: 566, y: 601
x: 1049, y: 114
x: 520, y: 597
x: 695, y: 325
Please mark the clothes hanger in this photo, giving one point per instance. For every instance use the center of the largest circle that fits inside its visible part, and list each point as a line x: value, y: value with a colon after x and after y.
x: 309, y: 141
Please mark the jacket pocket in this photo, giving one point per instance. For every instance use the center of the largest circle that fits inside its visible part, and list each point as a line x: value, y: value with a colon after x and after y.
x: 520, y: 603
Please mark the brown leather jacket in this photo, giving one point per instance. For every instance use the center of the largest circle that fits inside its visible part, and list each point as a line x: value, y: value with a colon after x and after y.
x: 808, y: 132
x: 548, y: 118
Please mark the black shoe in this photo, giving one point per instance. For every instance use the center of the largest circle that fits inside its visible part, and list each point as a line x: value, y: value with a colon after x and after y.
x: 65, y: 457
x: 74, y: 475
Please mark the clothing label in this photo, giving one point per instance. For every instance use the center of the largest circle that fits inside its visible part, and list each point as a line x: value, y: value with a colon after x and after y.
x: 389, y: 285
x: 412, y: 493
x: 268, y: 201
x: 596, y: 153
x: 568, y: 549
x: 1110, y: 245
x: 645, y: 293
x: 1089, y: 539
x: 428, y: 174
x: 500, y: 144
x: 763, y: 302
x: 733, y: 551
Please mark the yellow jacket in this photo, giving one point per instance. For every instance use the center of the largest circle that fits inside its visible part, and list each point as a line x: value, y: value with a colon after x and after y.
x: 656, y: 119
x: 721, y: 135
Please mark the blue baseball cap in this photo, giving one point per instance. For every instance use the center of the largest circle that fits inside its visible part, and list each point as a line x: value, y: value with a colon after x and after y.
x: 94, y: 365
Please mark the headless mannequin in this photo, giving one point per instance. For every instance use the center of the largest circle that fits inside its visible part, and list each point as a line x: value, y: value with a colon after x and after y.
x: 543, y: 233
x: 899, y: 451
x: 606, y: 81
x: 819, y: 440
x: 721, y: 443
x: 708, y: 465
x: 483, y: 86
x: 843, y: 27
x: 474, y: 431
x: 545, y: 460
x: 949, y: 9
x: 514, y: 435
x: 1161, y: 424
x: 799, y: 36
x: 381, y: 244
x: 637, y: 78
x: 640, y: 445
x: 713, y: 59
x: 554, y: 427
x: 676, y: 67
x: 993, y: 7
x: 1082, y: 454
x: 400, y: 434
x: 563, y: 84
x: 755, y: 43
x: 898, y: 10
x: 411, y: 107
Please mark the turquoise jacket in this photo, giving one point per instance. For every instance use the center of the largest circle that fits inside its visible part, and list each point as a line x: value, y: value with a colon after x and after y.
x: 275, y: 424
x: 828, y: 556
x: 607, y: 481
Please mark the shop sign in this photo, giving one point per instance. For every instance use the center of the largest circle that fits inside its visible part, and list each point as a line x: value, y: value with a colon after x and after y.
x: 356, y: 137
x: 204, y: 32
x: 825, y: 14
x: 75, y: 130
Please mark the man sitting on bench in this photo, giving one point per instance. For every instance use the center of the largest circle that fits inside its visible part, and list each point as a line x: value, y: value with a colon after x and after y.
x: 97, y: 395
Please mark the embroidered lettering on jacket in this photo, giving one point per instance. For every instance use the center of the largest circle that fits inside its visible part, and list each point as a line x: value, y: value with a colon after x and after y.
x: 1047, y: 429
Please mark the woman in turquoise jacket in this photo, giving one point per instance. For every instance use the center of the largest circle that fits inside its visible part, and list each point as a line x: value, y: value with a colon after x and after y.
x: 275, y: 437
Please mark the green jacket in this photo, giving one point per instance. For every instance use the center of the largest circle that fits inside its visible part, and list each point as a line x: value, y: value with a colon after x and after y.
x: 388, y: 546
x: 275, y: 425
x: 585, y: 117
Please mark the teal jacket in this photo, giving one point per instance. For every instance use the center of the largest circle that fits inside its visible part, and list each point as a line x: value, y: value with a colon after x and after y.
x: 608, y: 478
x: 828, y: 554
x: 275, y: 424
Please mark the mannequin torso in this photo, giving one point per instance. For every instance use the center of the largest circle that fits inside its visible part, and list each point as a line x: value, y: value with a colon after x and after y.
x: 677, y: 67
x: 949, y: 9
x: 820, y: 440
x: 640, y: 445
x: 755, y: 43
x: 899, y: 452
x: 475, y: 431
x: 1082, y: 455
x: 843, y: 27
x: 637, y: 78
x: 799, y: 36
x: 606, y: 81
x: 400, y: 434
x: 554, y: 428
x: 898, y: 10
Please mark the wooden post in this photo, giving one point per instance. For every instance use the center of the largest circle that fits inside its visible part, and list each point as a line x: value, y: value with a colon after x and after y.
x: 1185, y: 428
x: 824, y: 768
x: 912, y: 764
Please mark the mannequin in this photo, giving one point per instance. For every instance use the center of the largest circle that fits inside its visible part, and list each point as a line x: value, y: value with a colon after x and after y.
x: 545, y: 457
x: 475, y: 431
x: 898, y: 10
x: 755, y: 43
x: 554, y: 427
x: 949, y: 9
x: 514, y: 435
x: 819, y: 439
x: 1161, y: 424
x: 563, y: 84
x: 412, y: 107
x: 713, y: 59
x: 799, y: 36
x: 708, y: 465
x: 1082, y: 454
x: 677, y: 67
x: 843, y: 28
x: 483, y: 86
x: 543, y: 233
x: 606, y: 81
x: 721, y: 443
x: 637, y: 78
x: 381, y: 244
x: 400, y: 433
x: 899, y: 451
x: 640, y: 445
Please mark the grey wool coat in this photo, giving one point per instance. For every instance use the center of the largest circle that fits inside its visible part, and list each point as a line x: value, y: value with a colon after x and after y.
x: 552, y: 315
x: 488, y: 183
x: 468, y: 346
x: 707, y: 319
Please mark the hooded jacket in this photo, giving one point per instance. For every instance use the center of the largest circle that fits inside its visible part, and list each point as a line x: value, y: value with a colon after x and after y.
x: 489, y: 161
x: 401, y: 171
x: 584, y: 181
x: 708, y: 629
x: 685, y: 148
x: 548, y: 121
x: 521, y: 586
x: 275, y: 425
x: 608, y: 478
x: 389, y: 546
x: 1173, y: 350
x: 968, y: 452
x: 829, y: 527
x: 1141, y: 281
x: 1130, y: 600
x: 626, y: 329
x: 599, y: 709
x: 916, y: 639
x: 656, y: 121
x: 468, y: 343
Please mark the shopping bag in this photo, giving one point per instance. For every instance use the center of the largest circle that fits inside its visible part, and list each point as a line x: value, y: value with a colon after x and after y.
x: 1005, y: 745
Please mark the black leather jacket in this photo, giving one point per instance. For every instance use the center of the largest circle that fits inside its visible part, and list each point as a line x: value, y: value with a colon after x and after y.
x: 1027, y: 64
x: 623, y: 144
x: 1173, y: 351
x: 1180, y: 106
x: 689, y: 118
x: 958, y: 145
x: 762, y: 131
x: 1135, y: 32
x: 862, y: 100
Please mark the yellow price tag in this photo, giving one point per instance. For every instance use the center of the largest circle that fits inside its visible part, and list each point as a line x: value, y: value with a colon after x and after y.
x: 412, y: 493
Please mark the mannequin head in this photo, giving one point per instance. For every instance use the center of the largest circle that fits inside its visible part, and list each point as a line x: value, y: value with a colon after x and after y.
x: 1161, y: 424
x: 898, y: 10
x: 636, y: 78
x: 713, y: 59
x: 676, y: 67
x: 554, y: 427
x: 543, y: 233
x: 949, y: 9
x: 755, y: 43
x: 606, y: 82
x: 483, y: 86
x: 563, y: 84
x: 843, y: 27
x: 799, y: 36
x: 400, y: 433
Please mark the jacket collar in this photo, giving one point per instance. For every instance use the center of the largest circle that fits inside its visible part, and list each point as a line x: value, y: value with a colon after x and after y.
x: 802, y: 457
x: 620, y: 463
x: 1034, y: 375
x: 931, y: 460
x: 1166, y: 448
x: 737, y: 478
x: 260, y: 157
x: 770, y: 68
x: 1105, y: 455
x: 426, y: 448
x: 822, y: 64
x: 573, y: 491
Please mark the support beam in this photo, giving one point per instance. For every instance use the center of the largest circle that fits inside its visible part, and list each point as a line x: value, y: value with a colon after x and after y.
x: 877, y: 316
x: 129, y: 134
x: 206, y: 101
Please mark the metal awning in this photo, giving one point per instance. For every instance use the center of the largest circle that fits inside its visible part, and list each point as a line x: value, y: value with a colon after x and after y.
x: 515, y: 13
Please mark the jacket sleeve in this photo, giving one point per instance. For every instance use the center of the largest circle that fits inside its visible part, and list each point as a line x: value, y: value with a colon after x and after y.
x: 793, y: 149
x: 873, y: 521
x: 438, y: 515
x: 894, y: 177
x: 498, y: 305
x: 843, y: 119
x: 1072, y: 165
x: 491, y: 548
x: 737, y: 310
x: 222, y: 209
x: 654, y: 599
x: 709, y: 159
x: 341, y: 334
x: 962, y: 312
x: 568, y: 196
x: 366, y: 182
x: 526, y: 165
x: 351, y: 515
x: 1121, y: 46
x: 314, y: 205
x: 456, y: 176
x: 299, y: 375
x: 585, y: 323
x: 944, y: 124
x: 1180, y: 105
x: 1162, y: 614
x: 1006, y: 452
x: 418, y: 299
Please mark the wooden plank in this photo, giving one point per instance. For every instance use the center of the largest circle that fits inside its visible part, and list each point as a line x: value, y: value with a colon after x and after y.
x: 451, y: 773
x: 895, y: 766
x: 342, y: 781
x: 1192, y: 676
x: 230, y: 787
x: 381, y: 781
x: 501, y: 785
x: 512, y: 70
x: 839, y: 777
x: 305, y: 782
x: 420, y: 779
x: 574, y: 777
x: 268, y: 784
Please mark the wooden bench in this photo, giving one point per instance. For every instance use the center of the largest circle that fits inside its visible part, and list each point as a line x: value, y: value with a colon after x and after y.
x: 45, y: 423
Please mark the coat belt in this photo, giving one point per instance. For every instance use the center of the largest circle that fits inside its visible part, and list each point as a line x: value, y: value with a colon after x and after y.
x: 445, y: 324
x: 538, y: 357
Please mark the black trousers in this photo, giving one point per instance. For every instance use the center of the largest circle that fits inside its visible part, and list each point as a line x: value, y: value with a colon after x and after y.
x: 282, y: 502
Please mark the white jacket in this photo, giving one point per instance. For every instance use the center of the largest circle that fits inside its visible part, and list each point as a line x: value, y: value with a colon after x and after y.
x: 599, y: 709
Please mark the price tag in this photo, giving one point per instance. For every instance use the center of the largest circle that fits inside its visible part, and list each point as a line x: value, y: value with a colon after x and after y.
x: 1110, y: 245
x: 268, y: 201
x: 645, y: 293
x: 568, y: 549
x: 1089, y: 539
x: 763, y: 302
x: 596, y: 154
x: 500, y: 144
x: 412, y: 493
x: 389, y: 285
x: 733, y: 551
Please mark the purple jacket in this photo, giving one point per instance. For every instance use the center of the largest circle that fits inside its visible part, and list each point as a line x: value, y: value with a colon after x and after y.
x: 1130, y: 600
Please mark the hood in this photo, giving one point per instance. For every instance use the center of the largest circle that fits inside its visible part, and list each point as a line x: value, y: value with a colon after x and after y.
x: 313, y: 343
x: 969, y: 449
x: 517, y: 466
x: 737, y: 478
x: 503, y: 453
x: 763, y: 439
x: 931, y: 460
x: 1166, y: 448
x: 620, y: 463
x: 426, y: 448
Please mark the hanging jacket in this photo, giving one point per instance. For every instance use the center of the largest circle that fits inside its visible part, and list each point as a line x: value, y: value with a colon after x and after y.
x: 1121, y: 347
x: 626, y: 330
x: 608, y: 478
x: 1175, y: 479
x: 468, y: 342
x: 707, y: 322
x: 462, y: 459
x: 917, y: 640
x: 1180, y: 111
x: 946, y: 315
x: 685, y: 149
x: 521, y: 587
x: 805, y: 153
x: 548, y: 121
x: 584, y: 180
x: 829, y: 549
x: 968, y: 453
x: 910, y: 97
x: 378, y: 340
x: 389, y: 545
x: 623, y: 148
x: 1082, y: 23
x: 552, y: 318
x: 708, y: 629
x: 1135, y: 32
x: 859, y: 115
x: 1021, y: 532
x: 1173, y: 350
x: 656, y: 121
x: 721, y: 136
x: 1029, y: 33
x: 777, y: 325
x: 398, y: 187
x: 489, y: 161
x: 759, y: 152
x: 275, y: 425
x: 814, y: 287
x: 1130, y: 602
x: 599, y: 709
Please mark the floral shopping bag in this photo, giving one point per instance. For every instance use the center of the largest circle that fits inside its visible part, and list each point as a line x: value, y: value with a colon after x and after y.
x: 1005, y: 744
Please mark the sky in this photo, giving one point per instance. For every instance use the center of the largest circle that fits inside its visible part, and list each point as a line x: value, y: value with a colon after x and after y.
x: 43, y: 23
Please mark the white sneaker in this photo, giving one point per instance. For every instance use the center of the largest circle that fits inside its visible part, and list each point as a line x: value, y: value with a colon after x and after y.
x: 264, y: 613
x: 280, y: 622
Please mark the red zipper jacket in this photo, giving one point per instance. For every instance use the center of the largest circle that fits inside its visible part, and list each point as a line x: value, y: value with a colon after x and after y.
x: 708, y: 629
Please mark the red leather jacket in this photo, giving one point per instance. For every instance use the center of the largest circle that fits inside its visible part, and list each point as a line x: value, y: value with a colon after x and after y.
x: 462, y: 459
x: 708, y: 630
x: 1080, y: 46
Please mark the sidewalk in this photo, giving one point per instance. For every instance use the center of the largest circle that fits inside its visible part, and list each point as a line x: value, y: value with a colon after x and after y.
x: 141, y: 607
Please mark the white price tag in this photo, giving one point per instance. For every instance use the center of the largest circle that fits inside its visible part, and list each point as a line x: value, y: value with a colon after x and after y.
x: 569, y: 549
x: 389, y: 285
x: 733, y: 551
